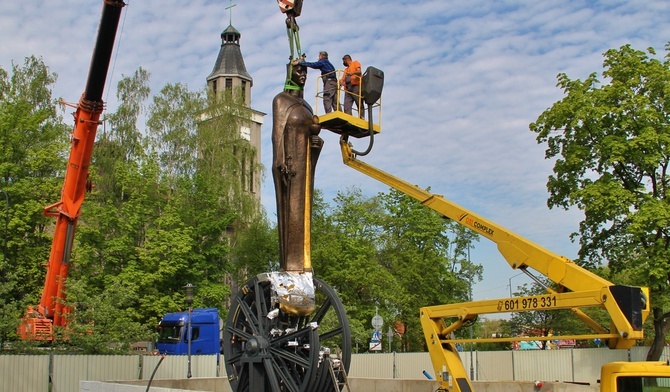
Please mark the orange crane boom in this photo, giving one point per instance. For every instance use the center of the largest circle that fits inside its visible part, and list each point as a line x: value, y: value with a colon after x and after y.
x: 38, y: 322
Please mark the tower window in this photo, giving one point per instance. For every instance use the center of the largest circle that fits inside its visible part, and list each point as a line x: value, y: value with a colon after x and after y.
x: 229, y: 83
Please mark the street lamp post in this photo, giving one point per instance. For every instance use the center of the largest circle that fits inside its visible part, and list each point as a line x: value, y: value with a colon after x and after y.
x: 189, y: 302
x: 3, y: 336
x: 4, y: 249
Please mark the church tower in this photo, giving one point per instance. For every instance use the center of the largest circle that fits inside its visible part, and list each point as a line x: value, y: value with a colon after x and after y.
x: 230, y: 73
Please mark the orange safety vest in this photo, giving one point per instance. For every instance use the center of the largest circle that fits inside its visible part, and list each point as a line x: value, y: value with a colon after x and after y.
x: 351, y: 70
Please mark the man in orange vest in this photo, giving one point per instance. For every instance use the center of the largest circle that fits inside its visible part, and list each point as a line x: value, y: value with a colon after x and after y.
x: 351, y: 82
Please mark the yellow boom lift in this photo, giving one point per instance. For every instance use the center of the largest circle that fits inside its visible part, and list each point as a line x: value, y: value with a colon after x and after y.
x: 627, y: 307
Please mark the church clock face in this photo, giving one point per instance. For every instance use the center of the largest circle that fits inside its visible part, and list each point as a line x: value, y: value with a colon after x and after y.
x: 245, y: 133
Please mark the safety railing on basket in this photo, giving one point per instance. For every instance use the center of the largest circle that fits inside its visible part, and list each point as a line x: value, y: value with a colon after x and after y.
x: 334, y: 95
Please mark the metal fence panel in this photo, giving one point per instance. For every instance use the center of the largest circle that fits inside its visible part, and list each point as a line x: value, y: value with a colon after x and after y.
x: 588, y: 361
x: 68, y: 370
x: 548, y: 365
x: 412, y: 365
x: 204, y: 365
x: 113, y: 367
x: 371, y: 366
x: 24, y: 373
x: 469, y: 360
x: 172, y: 366
x: 494, y: 365
x: 638, y: 354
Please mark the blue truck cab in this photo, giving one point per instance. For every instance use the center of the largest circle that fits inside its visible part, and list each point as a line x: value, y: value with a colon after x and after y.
x: 206, y: 328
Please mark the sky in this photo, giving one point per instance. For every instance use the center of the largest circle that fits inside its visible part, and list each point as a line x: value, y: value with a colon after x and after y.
x: 462, y: 82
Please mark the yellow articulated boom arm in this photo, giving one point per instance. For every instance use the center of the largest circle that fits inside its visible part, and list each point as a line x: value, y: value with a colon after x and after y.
x: 627, y: 306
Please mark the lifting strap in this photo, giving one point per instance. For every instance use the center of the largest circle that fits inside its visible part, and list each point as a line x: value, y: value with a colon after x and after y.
x: 292, y: 29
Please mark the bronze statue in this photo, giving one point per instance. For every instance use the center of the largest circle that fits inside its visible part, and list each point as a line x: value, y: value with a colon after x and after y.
x: 296, y: 147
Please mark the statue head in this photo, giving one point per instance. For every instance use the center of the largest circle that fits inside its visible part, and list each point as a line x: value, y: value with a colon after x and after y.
x: 299, y: 75
x: 296, y: 78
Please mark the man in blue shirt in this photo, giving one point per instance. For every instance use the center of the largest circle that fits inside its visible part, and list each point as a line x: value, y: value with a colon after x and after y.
x: 329, y: 79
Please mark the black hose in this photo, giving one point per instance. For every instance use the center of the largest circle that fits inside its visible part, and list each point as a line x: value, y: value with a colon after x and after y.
x: 154, y: 372
x: 371, y: 133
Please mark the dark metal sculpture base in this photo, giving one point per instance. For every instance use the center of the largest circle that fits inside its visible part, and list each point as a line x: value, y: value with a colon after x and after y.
x: 283, y: 353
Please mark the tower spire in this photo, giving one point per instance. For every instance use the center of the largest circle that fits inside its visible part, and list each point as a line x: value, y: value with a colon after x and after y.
x: 229, y: 70
x: 230, y: 7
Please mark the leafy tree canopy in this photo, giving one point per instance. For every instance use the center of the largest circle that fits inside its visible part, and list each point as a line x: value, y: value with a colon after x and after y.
x: 33, y: 141
x: 610, y: 139
x: 390, y: 254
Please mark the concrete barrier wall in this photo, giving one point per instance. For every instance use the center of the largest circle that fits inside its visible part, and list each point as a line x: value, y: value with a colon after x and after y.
x: 355, y: 384
x: 217, y: 384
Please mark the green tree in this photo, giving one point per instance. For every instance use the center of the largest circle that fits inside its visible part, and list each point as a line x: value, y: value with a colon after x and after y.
x: 416, y: 248
x: 32, y: 165
x: 611, y: 145
x: 172, y: 125
x: 256, y: 250
x: 389, y: 254
x: 344, y: 255
x: 491, y: 329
